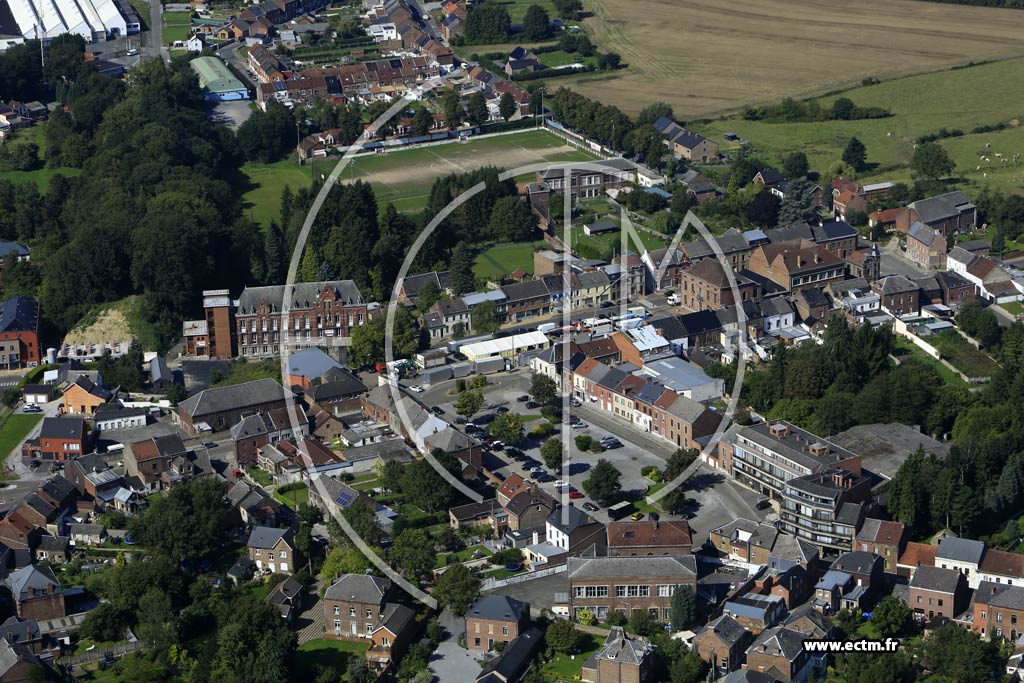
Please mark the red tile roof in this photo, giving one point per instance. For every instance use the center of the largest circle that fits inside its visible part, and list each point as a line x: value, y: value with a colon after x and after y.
x: 918, y: 554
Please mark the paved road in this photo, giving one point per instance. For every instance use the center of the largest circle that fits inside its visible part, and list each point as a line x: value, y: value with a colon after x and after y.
x: 451, y: 662
x: 154, y: 46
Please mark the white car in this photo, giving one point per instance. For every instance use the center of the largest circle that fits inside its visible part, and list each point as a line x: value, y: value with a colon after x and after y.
x: 416, y: 388
x: 559, y: 485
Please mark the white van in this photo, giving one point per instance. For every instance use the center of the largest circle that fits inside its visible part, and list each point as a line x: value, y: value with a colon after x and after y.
x: 544, y: 328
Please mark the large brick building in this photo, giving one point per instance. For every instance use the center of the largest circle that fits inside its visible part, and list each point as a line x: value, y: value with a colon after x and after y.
x: 797, y: 265
x: 19, y: 333
x: 320, y: 315
x: 353, y: 605
x: 998, y: 611
x: 603, y: 585
x: 936, y: 592
x: 722, y: 644
x: 37, y: 593
x: 705, y: 285
x: 221, y: 408
x: 60, y: 438
x: 649, y: 538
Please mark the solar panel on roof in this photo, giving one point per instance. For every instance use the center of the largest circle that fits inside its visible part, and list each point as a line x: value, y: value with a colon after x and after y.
x: 344, y: 498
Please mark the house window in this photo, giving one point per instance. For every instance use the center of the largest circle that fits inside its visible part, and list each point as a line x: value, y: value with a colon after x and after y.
x: 351, y: 611
x: 369, y: 614
x: 504, y: 629
x: 284, y: 555
x: 337, y: 625
x: 666, y: 591
x: 257, y: 552
x: 337, y: 610
x: 385, y: 642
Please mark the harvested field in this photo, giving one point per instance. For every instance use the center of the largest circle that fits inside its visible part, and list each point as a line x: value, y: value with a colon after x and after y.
x: 711, y: 56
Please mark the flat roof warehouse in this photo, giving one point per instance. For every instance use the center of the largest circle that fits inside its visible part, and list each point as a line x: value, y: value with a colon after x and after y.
x: 94, y: 20
x: 216, y: 80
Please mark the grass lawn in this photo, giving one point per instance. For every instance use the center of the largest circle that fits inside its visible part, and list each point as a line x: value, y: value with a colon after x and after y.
x: 502, y: 573
x: 919, y: 106
x: 260, y: 476
x: 517, y: 8
x: 502, y: 259
x: 84, y: 644
x: 1013, y: 307
x: 294, y: 497
x: 177, y: 26
x: 262, y: 199
x: 463, y: 555
x: 902, y: 347
x: 962, y: 354
x: 643, y: 506
x: 334, y: 654
x: 561, y: 58
x: 566, y: 668
x: 14, y: 430
x: 40, y: 177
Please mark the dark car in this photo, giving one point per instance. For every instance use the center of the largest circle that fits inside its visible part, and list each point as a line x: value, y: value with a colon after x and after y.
x: 471, y: 428
x: 209, y: 444
x: 607, y: 304
x: 522, y: 399
x: 438, y: 410
x: 590, y: 507
x: 545, y: 478
x: 530, y: 462
x: 501, y: 409
x: 530, y: 405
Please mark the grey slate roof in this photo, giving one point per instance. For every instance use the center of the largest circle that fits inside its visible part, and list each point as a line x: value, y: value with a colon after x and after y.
x: 395, y: 618
x: 577, y: 518
x: 109, y: 411
x: 936, y: 579
x: 597, y: 567
x: 304, y: 295
x: 36, y: 577
x: 498, y: 608
x: 898, y: 284
x: 940, y: 207
x: 219, y: 399
x: 727, y: 629
x: 19, y: 314
x: 267, y: 537
x: 619, y: 647
x: 779, y: 641
x: 62, y: 428
x: 248, y: 427
x: 960, y: 550
x: 513, y: 660
x: 311, y: 363
x: 342, y: 384
x: 358, y: 588
x: 1000, y: 595
x: 856, y: 562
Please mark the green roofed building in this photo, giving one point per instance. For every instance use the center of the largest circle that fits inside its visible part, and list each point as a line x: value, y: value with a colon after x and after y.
x: 217, y: 81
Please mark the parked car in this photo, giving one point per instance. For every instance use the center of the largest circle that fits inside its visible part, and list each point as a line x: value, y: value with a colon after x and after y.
x: 590, y: 507
x: 438, y: 410
x: 575, y: 495
x: 471, y: 428
x: 561, y: 484
x: 209, y: 444
x: 498, y: 446
x: 574, y: 402
x: 530, y: 405
x: 416, y: 388
x: 636, y: 516
x: 530, y: 463
x: 545, y: 478
x: 522, y: 399
x: 579, y: 425
x: 31, y: 408
x: 501, y: 409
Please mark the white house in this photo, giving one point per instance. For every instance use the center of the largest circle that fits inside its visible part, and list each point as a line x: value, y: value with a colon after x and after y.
x: 963, y: 555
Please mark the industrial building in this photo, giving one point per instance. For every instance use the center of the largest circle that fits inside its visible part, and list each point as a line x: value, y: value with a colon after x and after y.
x: 94, y: 20
x: 216, y: 80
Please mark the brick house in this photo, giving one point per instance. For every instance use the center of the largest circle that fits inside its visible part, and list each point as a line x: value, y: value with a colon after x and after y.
x: 754, y: 611
x: 495, y: 619
x: 883, y: 538
x: 37, y: 593
x: 273, y: 550
x: 945, y: 213
x: 84, y: 397
x: 649, y: 538
x: 797, y: 265
x: 528, y: 509
x: 899, y: 295
x: 527, y: 299
x: 722, y: 644
x: 622, y: 659
x: 779, y: 652
x: 926, y: 247
x: 602, y: 585
x: 391, y: 637
x: 685, y: 145
x: 19, y: 325
x: 149, y: 460
x: 353, y: 605
x: 915, y: 555
x: 998, y: 611
x: 745, y: 540
x: 590, y: 183
x: 955, y: 288
x: 573, y: 530
x: 705, y: 285
x: 60, y: 439
x: 937, y: 592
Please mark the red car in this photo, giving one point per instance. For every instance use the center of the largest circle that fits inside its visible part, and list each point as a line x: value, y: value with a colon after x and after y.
x: 237, y: 473
x: 575, y: 495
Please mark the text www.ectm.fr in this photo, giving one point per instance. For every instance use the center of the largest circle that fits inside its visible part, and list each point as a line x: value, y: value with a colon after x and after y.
x: 844, y: 646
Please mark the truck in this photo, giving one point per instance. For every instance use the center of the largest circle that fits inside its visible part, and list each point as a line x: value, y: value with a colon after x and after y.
x: 621, y: 510
x: 544, y: 328
x: 673, y: 299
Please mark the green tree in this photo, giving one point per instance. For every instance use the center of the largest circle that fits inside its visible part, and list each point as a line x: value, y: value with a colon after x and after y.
x: 604, y: 484
x: 508, y: 428
x: 367, y: 347
x: 870, y: 668
x: 451, y: 105
x: 842, y: 109
x: 469, y: 403
x: 957, y: 654
x: 568, y: 9
x: 855, y: 154
x: 422, y: 121
x: 643, y: 623
x: 428, y: 295
x: 511, y: 221
x: 542, y: 388
x: 412, y: 552
x: 677, y: 463
x: 253, y: 646
x: 345, y: 560
x: 266, y: 136
x: 892, y: 617
x: 800, y: 203
x: 390, y: 474
x: 507, y: 106
x: 688, y: 668
x: 536, y: 23
x: 562, y: 637
x: 485, y: 318
x: 463, y: 280
x: 795, y: 165
x: 551, y: 454
x: 457, y: 588
x: 186, y: 524
x: 476, y: 109
x: 104, y: 623
x: 425, y: 487
x: 931, y: 161
x: 487, y: 23
x: 683, y: 610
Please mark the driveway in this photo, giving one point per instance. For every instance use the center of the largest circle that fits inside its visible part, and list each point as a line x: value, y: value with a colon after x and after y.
x: 450, y: 662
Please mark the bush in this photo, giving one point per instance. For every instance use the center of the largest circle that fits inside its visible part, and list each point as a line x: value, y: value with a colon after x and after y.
x: 617, y: 618
x: 542, y: 430
x: 652, y: 473
x: 584, y: 442
x: 508, y: 556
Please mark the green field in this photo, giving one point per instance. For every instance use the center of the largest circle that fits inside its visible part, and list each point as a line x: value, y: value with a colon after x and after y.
x: 903, y: 349
x: 517, y: 8
x: 954, y: 99
x: 293, y: 498
x: 333, y: 654
x: 14, y: 430
x: 404, y: 177
x: 177, y: 26
x: 40, y: 177
x: 501, y: 259
x: 561, y: 58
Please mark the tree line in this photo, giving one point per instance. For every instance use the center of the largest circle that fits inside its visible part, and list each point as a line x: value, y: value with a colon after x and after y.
x: 793, y: 111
